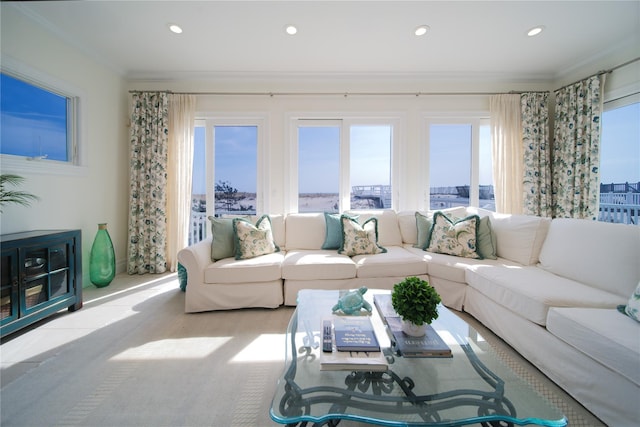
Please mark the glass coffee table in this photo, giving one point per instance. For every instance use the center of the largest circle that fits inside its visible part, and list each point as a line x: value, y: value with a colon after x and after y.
x: 472, y: 387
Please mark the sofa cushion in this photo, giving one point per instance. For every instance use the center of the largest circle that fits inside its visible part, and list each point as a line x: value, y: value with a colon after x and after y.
x: 359, y: 239
x: 602, y: 334
x: 600, y: 254
x: 454, y: 237
x: 396, y: 262
x: 519, y: 237
x: 304, y: 231
x: 259, y: 269
x: 318, y: 264
x: 253, y: 240
x: 333, y: 231
x: 388, y: 228
x: 452, y: 267
x: 531, y: 291
x: 223, y: 243
x: 407, y: 225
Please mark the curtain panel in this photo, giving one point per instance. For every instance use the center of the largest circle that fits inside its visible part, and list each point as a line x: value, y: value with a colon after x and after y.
x: 179, y: 174
x: 536, y: 154
x: 146, y: 250
x: 506, y: 148
x: 576, y: 149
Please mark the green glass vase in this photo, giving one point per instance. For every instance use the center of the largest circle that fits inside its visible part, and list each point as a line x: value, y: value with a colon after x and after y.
x: 102, y: 260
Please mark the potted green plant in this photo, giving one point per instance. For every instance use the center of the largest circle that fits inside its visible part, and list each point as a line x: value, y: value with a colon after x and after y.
x: 13, y: 196
x: 416, y: 302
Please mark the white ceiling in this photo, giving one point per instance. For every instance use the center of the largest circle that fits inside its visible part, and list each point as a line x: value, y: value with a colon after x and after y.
x: 472, y: 38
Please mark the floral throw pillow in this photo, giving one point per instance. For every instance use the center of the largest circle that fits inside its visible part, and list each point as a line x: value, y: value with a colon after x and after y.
x: 454, y: 237
x: 632, y: 309
x: 359, y: 239
x: 252, y: 241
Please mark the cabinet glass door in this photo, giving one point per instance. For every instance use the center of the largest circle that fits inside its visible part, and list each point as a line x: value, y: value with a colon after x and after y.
x: 46, y: 275
x: 8, y: 286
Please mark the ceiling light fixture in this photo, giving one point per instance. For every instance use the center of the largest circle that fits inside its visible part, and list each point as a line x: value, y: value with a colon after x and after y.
x: 175, y: 28
x: 421, y: 30
x: 291, y: 29
x: 535, y: 31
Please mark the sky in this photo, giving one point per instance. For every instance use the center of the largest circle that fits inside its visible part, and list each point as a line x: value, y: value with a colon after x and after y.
x: 449, y: 156
x: 33, y: 123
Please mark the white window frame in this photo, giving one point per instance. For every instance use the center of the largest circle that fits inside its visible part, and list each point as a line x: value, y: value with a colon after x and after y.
x: 209, y: 121
x: 345, y: 121
x: 76, y: 129
x: 475, y: 120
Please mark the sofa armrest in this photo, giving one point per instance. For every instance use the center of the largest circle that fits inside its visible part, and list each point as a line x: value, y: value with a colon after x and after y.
x: 195, y: 259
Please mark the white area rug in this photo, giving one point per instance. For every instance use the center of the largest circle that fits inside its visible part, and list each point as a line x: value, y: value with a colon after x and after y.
x: 132, y: 357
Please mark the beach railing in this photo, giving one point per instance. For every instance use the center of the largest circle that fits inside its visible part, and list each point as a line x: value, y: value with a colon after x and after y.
x: 621, y: 208
x: 197, y: 227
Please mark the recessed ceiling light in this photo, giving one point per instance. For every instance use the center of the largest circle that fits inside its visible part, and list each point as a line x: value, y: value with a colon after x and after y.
x: 535, y: 31
x: 175, y: 28
x: 421, y: 30
x: 291, y: 29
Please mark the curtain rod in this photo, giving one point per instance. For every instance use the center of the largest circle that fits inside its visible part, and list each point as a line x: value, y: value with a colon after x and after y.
x: 599, y: 73
x: 345, y: 94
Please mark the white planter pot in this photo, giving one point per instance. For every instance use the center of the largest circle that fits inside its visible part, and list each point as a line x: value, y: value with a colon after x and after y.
x: 414, y: 330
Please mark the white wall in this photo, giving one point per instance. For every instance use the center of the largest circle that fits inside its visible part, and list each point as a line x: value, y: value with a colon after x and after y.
x: 102, y: 194
x: 99, y: 195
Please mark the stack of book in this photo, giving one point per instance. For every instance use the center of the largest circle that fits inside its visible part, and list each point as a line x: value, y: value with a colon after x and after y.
x: 355, y: 347
x: 429, y: 345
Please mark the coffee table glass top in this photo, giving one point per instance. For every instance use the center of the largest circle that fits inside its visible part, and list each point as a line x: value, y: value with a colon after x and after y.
x: 474, y: 386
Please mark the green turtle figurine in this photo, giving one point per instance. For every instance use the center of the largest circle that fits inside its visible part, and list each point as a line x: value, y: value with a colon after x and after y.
x: 352, y: 302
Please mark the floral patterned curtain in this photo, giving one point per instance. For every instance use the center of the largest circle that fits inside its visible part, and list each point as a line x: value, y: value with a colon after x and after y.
x: 576, y: 150
x: 146, y: 251
x: 537, y: 153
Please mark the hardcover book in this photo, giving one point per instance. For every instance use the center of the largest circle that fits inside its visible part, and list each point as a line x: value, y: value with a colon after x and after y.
x: 354, y: 333
x: 373, y: 361
x: 429, y: 345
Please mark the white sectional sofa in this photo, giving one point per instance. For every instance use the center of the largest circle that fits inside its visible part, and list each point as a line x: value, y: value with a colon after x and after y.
x: 551, y: 292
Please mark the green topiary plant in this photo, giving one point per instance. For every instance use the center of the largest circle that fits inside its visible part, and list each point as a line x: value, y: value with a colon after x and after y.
x: 13, y: 196
x: 415, y: 301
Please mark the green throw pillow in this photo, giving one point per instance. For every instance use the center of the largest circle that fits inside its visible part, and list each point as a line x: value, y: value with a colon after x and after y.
x: 253, y: 240
x: 333, y: 231
x: 487, y: 244
x: 359, y: 239
x: 222, y: 245
x: 456, y: 238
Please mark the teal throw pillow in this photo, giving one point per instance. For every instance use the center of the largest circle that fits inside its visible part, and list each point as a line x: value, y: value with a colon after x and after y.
x: 423, y: 224
x: 222, y: 245
x: 359, y: 239
x: 456, y: 238
x: 253, y: 240
x: 487, y: 243
x: 333, y: 231
x: 182, y: 277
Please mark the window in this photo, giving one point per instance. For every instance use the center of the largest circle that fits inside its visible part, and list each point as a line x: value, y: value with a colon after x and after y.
x: 318, y: 167
x: 460, y: 166
x: 370, y: 168
x: 343, y: 164
x: 620, y: 163
x: 235, y: 156
x: 39, y: 122
x: 225, y: 171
